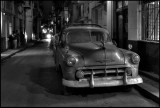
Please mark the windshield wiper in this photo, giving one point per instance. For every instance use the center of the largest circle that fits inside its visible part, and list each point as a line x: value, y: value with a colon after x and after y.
x: 102, y: 46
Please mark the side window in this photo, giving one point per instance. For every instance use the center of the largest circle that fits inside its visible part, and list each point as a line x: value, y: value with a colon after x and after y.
x: 62, y: 40
x: 97, y: 36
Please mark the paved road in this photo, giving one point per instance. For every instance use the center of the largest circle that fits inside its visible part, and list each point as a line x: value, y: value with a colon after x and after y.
x: 29, y: 79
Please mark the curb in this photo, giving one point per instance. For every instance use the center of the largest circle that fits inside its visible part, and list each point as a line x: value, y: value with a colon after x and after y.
x: 153, y: 77
x: 148, y: 91
x: 5, y: 58
x: 22, y: 49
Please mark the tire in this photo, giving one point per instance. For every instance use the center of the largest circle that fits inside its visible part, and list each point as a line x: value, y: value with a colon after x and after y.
x: 127, y: 88
x: 66, y: 91
x: 57, y: 68
x: 54, y: 56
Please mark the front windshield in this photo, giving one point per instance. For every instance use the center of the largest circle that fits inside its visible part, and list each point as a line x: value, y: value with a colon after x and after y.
x: 84, y: 36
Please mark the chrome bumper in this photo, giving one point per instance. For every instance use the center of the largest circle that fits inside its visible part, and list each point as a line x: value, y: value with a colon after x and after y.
x: 103, y: 82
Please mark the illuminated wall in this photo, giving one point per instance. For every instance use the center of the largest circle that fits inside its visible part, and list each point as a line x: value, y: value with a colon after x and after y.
x: 29, y: 23
x: 1, y: 22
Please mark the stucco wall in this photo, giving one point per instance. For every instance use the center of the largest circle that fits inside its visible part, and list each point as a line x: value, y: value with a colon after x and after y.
x: 132, y: 20
x: 109, y: 16
x: 29, y: 27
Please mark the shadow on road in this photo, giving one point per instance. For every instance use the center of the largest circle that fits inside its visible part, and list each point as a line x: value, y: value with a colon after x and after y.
x: 51, y: 82
x: 47, y: 78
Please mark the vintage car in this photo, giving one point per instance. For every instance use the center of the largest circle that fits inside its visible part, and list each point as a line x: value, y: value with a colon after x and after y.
x: 86, y: 56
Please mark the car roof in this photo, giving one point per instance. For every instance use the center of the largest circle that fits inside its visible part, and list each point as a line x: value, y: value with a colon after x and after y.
x: 86, y: 26
x: 80, y: 24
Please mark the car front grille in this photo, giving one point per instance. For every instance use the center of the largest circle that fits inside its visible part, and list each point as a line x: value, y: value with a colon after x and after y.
x: 98, y: 73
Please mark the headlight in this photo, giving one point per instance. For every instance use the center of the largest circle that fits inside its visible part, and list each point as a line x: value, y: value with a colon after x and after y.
x: 49, y: 36
x: 80, y: 74
x: 71, y: 61
x: 44, y: 30
x: 135, y: 58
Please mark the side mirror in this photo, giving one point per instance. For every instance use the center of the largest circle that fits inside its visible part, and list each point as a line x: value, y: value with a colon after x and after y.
x: 56, y: 40
x: 62, y: 44
x: 129, y: 46
x: 56, y: 43
x: 114, y: 42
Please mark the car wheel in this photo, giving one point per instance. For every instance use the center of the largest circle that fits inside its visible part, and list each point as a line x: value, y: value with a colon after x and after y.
x: 66, y: 91
x: 57, y: 69
x: 54, y: 55
x: 127, y: 88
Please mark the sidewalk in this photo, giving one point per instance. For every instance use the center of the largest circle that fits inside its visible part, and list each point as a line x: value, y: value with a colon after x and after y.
x: 150, y: 86
x: 10, y: 52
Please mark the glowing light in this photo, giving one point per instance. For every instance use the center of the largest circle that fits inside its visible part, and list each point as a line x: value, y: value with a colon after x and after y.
x: 49, y: 36
x: 42, y: 26
x: 44, y: 31
x: 1, y: 21
x: 33, y: 36
x: 67, y: 19
x: 152, y: 3
x: 51, y: 30
x: 26, y: 36
x: 52, y: 22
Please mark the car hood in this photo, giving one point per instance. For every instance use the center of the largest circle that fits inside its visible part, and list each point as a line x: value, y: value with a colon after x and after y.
x: 95, y: 54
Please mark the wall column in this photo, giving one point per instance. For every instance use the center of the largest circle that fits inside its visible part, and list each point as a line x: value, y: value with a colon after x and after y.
x: 134, y: 22
x: 110, y: 17
x: 28, y: 34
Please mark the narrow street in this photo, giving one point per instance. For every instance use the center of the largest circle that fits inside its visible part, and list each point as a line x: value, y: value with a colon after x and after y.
x: 29, y: 79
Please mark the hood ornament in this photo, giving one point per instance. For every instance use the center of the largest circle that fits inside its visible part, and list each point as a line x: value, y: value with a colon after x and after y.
x: 108, y: 60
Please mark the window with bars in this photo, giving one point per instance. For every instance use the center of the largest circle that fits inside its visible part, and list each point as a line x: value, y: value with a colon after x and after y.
x: 150, y: 21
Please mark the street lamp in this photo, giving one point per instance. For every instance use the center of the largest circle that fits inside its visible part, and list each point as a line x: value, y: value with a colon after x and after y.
x: 44, y: 30
x: 67, y: 19
x: 1, y: 21
x: 52, y: 22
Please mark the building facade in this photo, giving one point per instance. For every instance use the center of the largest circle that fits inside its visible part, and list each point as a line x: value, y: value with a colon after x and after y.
x: 143, y: 33
x: 18, y: 16
x: 129, y: 22
x: 94, y: 12
x: 7, y: 22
